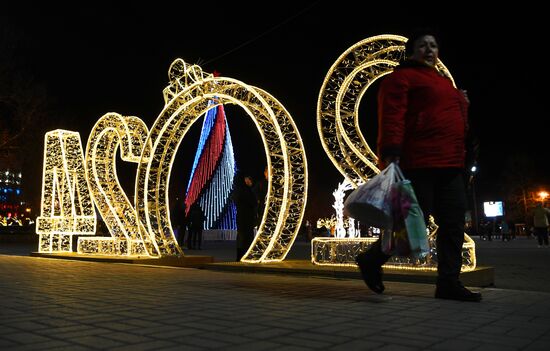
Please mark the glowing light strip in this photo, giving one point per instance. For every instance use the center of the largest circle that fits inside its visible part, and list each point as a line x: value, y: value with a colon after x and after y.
x: 338, y: 206
x: 207, y: 125
x: 66, y: 207
x: 229, y: 215
x: 342, y: 252
x: 209, y: 155
x: 215, y: 197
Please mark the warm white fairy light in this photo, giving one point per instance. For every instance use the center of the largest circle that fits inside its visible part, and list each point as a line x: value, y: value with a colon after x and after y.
x: 338, y: 251
x: 353, y: 232
x: 338, y: 125
x: 342, y: 252
x: 186, y: 99
x: 111, y: 131
x: 66, y: 207
x: 326, y: 222
x: 66, y: 201
x: 338, y: 206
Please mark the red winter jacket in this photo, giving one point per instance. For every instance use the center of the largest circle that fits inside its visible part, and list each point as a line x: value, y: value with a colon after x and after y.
x: 422, y: 118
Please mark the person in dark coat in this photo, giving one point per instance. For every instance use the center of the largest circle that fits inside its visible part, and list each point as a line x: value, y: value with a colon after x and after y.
x: 260, y: 191
x: 195, y: 219
x: 246, y: 204
x: 179, y: 220
x: 423, y: 122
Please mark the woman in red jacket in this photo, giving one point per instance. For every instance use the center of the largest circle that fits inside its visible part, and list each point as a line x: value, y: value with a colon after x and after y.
x: 422, y: 121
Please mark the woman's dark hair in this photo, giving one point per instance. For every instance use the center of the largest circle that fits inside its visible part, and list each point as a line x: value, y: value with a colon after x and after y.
x: 418, y: 33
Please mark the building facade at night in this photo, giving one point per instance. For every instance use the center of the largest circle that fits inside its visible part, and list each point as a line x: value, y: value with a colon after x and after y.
x: 12, y: 206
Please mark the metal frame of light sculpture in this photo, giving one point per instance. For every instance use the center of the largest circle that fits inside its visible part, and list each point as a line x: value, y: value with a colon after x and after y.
x: 186, y: 100
x: 111, y: 131
x: 66, y: 207
x: 342, y: 252
x: 338, y: 120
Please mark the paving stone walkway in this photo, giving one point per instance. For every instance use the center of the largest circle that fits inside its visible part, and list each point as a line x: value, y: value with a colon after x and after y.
x: 53, y: 304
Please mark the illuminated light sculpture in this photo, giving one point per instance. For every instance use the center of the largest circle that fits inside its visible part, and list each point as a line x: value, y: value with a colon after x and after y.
x: 213, y: 171
x: 111, y: 131
x: 338, y: 125
x: 187, y: 97
x: 66, y: 207
x: 338, y: 206
x: 342, y: 252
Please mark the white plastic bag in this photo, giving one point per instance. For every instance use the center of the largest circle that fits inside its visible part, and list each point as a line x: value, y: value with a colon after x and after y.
x: 388, y: 202
x: 370, y: 203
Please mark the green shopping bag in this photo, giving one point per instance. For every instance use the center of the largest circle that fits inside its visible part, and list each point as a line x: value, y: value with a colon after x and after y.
x: 409, y: 236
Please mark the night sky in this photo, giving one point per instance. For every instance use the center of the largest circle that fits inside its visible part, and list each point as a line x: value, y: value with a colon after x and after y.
x: 93, y: 59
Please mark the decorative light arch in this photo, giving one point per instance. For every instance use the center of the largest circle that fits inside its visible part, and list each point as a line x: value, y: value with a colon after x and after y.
x: 186, y: 99
x: 338, y: 125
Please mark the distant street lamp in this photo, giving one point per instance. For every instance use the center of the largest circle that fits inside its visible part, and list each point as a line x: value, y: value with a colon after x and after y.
x: 543, y: 195
x: 473, y: 171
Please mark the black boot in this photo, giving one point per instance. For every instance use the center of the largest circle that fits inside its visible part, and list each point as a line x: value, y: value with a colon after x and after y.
x: 455, y: 291
x: 371, y: 272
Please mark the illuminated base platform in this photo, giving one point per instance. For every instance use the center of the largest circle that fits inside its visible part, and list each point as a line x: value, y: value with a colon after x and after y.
x: 479, y: 277
x: 185, y: 261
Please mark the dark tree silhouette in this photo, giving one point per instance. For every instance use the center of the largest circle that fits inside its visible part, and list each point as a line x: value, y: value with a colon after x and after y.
x: 518, y: 186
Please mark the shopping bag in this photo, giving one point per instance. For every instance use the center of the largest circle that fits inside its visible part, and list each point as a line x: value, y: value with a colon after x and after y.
x: 370, y: 203
x: 409, y: 236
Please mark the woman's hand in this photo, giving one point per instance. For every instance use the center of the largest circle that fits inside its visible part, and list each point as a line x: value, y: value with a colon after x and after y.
x: 386, y: 161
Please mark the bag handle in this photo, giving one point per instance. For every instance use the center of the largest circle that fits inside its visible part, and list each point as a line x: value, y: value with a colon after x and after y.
x: 397, y: 171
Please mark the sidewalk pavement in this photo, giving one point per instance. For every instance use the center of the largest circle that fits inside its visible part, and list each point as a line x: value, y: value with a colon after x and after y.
x: 51, y: 304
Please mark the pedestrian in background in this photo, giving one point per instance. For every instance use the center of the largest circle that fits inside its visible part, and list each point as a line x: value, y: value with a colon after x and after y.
x: 196, y: 224
x: 505, y: 230
x: 422, y: 125
x: 246, y: 204
x: 260, y: 191
x: 540, y: 223
x: 179, y: 220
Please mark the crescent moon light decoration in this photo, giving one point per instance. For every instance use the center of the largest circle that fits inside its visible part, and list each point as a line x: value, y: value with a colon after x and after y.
x: 338, y: 125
